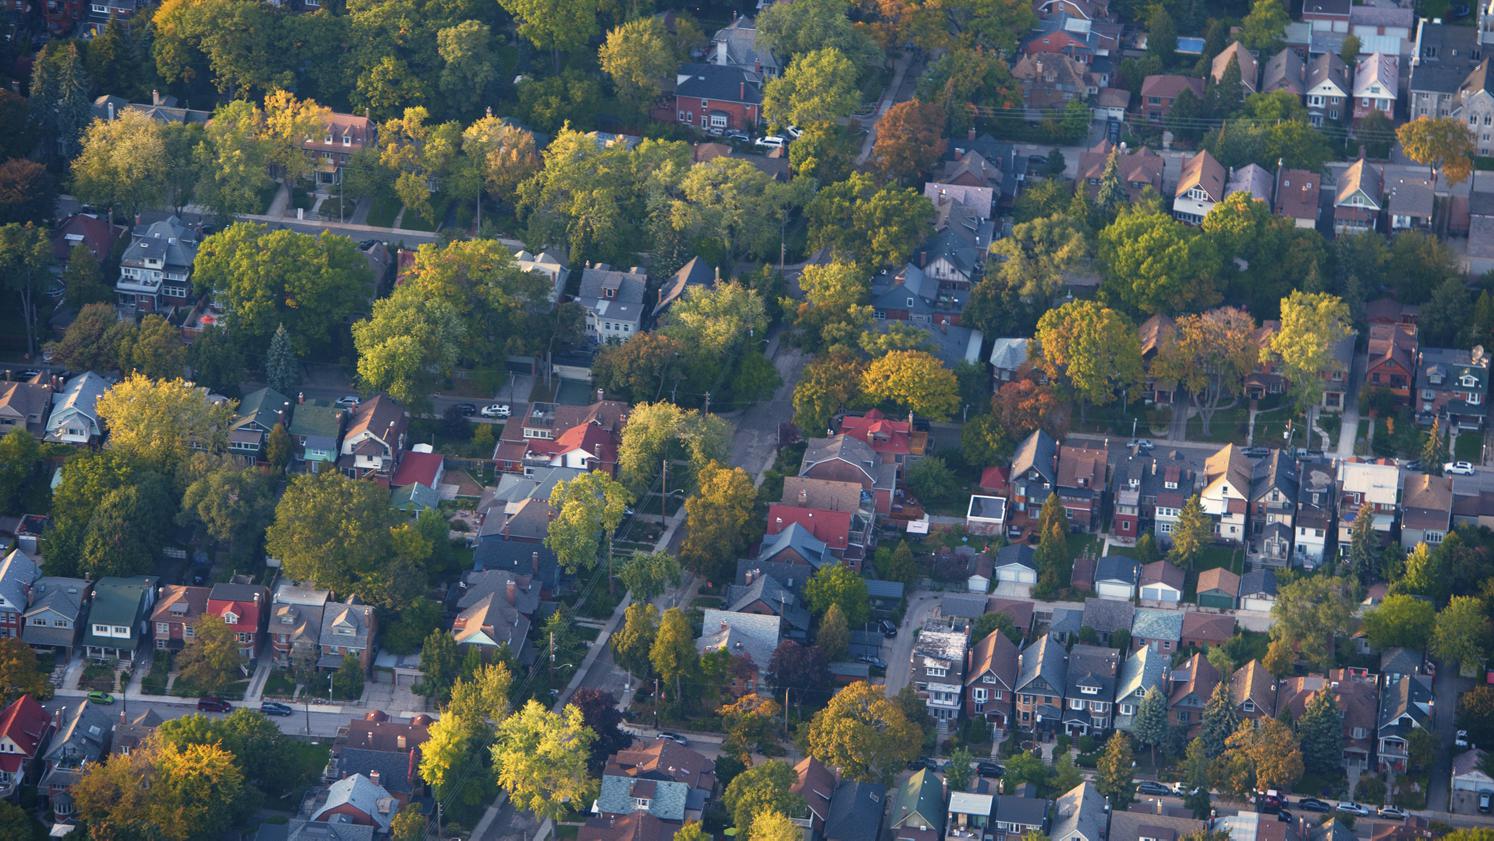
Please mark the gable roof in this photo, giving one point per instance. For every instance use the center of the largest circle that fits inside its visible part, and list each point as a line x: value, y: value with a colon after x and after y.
x: 1157, y: 624
x: 1196, y: 677
x: 718, y: 82
x: 855, y: 811
x: 800, y: 540
x: 1140, y: 672
x: 919, y: 802
x: 832, y: 527
x: 1361, y: 177
x: 1328, y: 68
x: 1221, y: 579
x: 1079, y: 812
x: 1106, y: 616
x: 1205, y: 172
x: 1043, y: 660
x: 816, y: 784
x: 695, y: 273
x: 1376, y: 69
x: 1117, y: 568
x: 1258, y: 582
x: 1162, y: 572
x: 1039, y: 452
x: 17, y: 573
x: 380, y: 416
x: 1169, y: 85
x: 1230, y: 465
x: 1207, y: 627
x: 748, y: 634
x: 362, y: 794
x: 995, y: 654
x: 1253, y: 683
x: 1235, y: 53
x: 24, y: 722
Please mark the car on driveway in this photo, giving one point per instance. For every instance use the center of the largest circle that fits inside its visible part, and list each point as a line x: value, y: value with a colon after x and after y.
x: 348, y: 401
x: 209, y: 704
x: 1285, y: 817
x: 1312, y: 804
x: 987, y: 768
x: 1461, y: 739
x: 874, y: 662
x: 275, y: 708
x: 496, y: 410
x: 1458, y: 468
x: 1349, y: 807
x: 100, y: 697
x: 1153, y: 788
x: 888, y: 629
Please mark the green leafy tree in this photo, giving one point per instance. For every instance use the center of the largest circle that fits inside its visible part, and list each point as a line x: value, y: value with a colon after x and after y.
x: 1321, y: 733
x: 279, y: 448
x: 409, y: 824
x: 1476, y: 714
x: 817, y: 87
x: 863, y: 734
x: 19, y: 673
x: 1266, y: 746
x: 1434, y: 449
x: 641, y: 368
x: 162, y: 792
x: 1162, y: 34
x: 1054, y: 562
x: 560, y: 26
x: 1155, y: 264
x: 638, y: 56
x: 931, y: 480
x: 672, y: 653
x: 234, y: 159
x: 834, y: 636
x: 540, y: 758
x: 122, y: 164
x: 504, y: 154
x: 471, y: 65
x: 1194, y: 531
x: 958, y: 772
x: 1090, y: 348
x: 1400, y: 621
x: 60, y: 106
x: 1364, y: 545
x: 1309, y: 615
x: 333, y: 532
x: 153, y: 349
x: 347, y: 681
x: 717, y: 517
x: 862, y: 221
x: 837, y: 585
x: 1210, y: 356
x: 20, y: 460
x: 1349, y: 50
x: 648, y: 574
x: 216, y: 360
x: 210, y: 660
x: 829, y: 383
x: 27, y: 192
x: 1265, y: 25
x: 913, y: 379
x: 833, y: 314
x: 282, y: 369
x: 657, y: 432
x: 440, y: 662
x: 764, y: 788
x: 162, y: 421
x: 84, y: 280
x: 231, y: 506
x: 634, y: 641
x: 17, y: 824
x: 1461, y: 634
x: 1114, y: 769
x: 91, y: 342
x: 1312, y: 324
x: 26, y: 269
x: 588, y: 509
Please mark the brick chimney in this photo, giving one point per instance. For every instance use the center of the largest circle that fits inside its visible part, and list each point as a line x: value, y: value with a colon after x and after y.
x: 511, y: 591
x: 534, y: 562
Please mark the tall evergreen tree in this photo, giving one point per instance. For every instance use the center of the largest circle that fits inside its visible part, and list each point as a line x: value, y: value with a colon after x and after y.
x: 1149, y: 725
x: 60, y: 107
x: 1111, y: 194
x: 1321, y: 733
x: 1114, y: 769
x: 1364, y: 547
x: 1192, y: 532
x: 1434, y: 450
x: 282, y: 371
x: 1220, y: 719
x: 1053, y: 559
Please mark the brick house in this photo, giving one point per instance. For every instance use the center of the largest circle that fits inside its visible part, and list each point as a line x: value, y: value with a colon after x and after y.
x: 1081, y: 484
x: 1041, y: 676
x: 990, y: 680
x: 175, y: 615
x: 1360, y: 199
x: 1453, y: 386
x: 717, y: 98
x: 241, y: 607
x: 1159, y: 92
x: 24, y: 727
x: 343, y: 135
x: 1327, y: 89
x: 18, y: 572
x: 1190, y: 686
x: 1392, y: 358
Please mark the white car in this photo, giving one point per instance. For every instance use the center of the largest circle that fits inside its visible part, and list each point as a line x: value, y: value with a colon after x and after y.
x: 348, y: 401
x: 1351, y: 808
x: 1393, y: 812
x: 497, y: 410
x: 1458, y: 468
x: 793, y: 131
x: 772, y: 141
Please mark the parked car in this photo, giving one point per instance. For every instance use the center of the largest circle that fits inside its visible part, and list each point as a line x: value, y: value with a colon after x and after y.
x: 1412, y: 464
x: 1349, y: 807
x: 1312, y: 804
x: 467, y: 409
x: 28, y: 374
x: 772, y: 141
x: 1484, y: 798
x: 1461, y: 740
x: 275, y: 708
x: 1395, y: 813
x: 1256, y: 452
x: 100, y: 697
x: 1269, y: 801
x: 496, y: 410
x: 987, y: 768
x: 1458, y: 468
x: 925, y: 762
x: 874, y: 662
x: 1182, y: 790
x: 210, y: 704
x: 888, y: 629
x: 1286, y: 817
x: 1141, y: 445
x: 348, y: 401
x: 674, y: 737
x: 793, y: 131
x: 1153, y: 788
x: 738, y: 135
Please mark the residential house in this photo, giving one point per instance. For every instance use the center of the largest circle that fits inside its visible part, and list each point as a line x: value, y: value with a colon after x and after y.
x: 1426, y: 509
x: 1200, y: 187
x: 918, y: 808
x: 767, y: 596
x: 1443, y: 57
x: 938, y: 671
x: 891, y: 440
x: 1135, y: 826
x: 546, y: 265
x: 1145, y: 669
x: 1081, y: 814
x: 1157, y: 628
x: 1201, y: 630
x: 955, y: 254
x: 176, y: 613
x: 1405, y: 705
x: 1116, y: 577
x: 1034, y: 472
x: 53, y: 615
x: 421, y: 466
x: 1474, y: 104
x: 969, y: 814
x: 1297, y: 194
x: 1285, y: 71
x: 1008, y: 360
x: 735, y: 45
x: 985, y: 515
x: 24, y: 728
x: 1138, y: 169
x: 342, y: 137
x: 1357, y: 696
x: 695, y: 274
x: 814, y: 782
x: 257, y: 414
x: 1166, y: 484
x: 1243, y: 59
x: 1274, y: 487
x: 1081, y: 483
x: 911, y: 295
x: 968, y: 179
x: 741, y: 635
x: 1452, y: 386
x: 795, y: 549
x: 543, y: 436
x: 119, y: 617
x: 1161, y: 584
x: 1252, y: 690
x: 244, y: 608
x: 357, y: 799
x: 1411, y: 202
x: 1156, y: 333
x: 717, y: 98
x: 24, y: 406
x: 383, y: 749
x: 18, y: 572
x: 1108, y: 618
x: 81, y: 738
x: 295, y: 626
x: 1468, y: 774
x: 1328, y: 89
x: 1015, y: 570
x: 155, y: 270
x: 1336, y: 378
x: 1252, y: 180
x: 1019, y: 813
x: 613, y: 301
x: 1359, y: 200
x: 846, y: 459
x: 855, y: 811
x: 1313, y: 524
x: 1360, y: 482
x: 1383, y: 28
x: 833, y: 528
x: 1376, y: 85
x: 667, y: 764
x: 1126, y: 509
x: 991, y: 679
x: 1218, y: 588
x: 1159, y: 92
x: 1049, y: 81
x: 1090, y: 689
x: 375, y: 439
x: 1191, y: 685
x: 1392, y: 358
x: 316, y: 427
x: 75, y: 417
x: 1258, y: 590
x: 347, y: 631
x: 1226, y: 494
x: 1042, y: 674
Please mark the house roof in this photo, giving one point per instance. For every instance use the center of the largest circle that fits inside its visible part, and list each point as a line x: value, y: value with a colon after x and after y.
x: 179, y: 603
x: 1251, y: 179
x: 1360, y: 176
x: 79, y: 394
x: 627, y: 826
x: 1469, y: 762
x: 1237, y: 54
x: 1253, y: 683
x: 832, y: 527
x: 415, y: 466
x: 919, y: 802
x: 1044, y: 659
x: 696, y: 273
x: 1221, y: 579
x: 1093, y: 667
x: 1410, y: 695
x: 1426, y: 501
x: 1039, y: 452
x: 1229, y: 464
x: 748, y: 634
x: 491, y: 621
x: 1328, y: 67
x: 1376, y: 69
x: 1021, y: 809
x: 263, y: 407
x: 997, y: 655
x: 118, y: 601
x: 1395, y: 343
x: 881, y: 433
x: 1117, y: 568
x: 388, y: 746
x: 1205, y: 172
x: 1208, y: 627
x: 168, y: 240
x: 362, y: 794
x: 799, y: 539
x: 816, y: 784
x: 24, y: 722
x: 1080, y: 812
x: 770, y: 591
x: 667, y: 799
x: 718, y: 82
x: 1284, y: 71
x: 1016, y: 554
x: 245, y: 600
x: 1297, y: 192
x: 1133, y: 826
x: 855, y: 811
x: 840, y: 447
x: 1141, y: 671
x: 1008, y: 354
x: 1107, y: 616
x: 1168, y: 86
x: 1196, y: 677
x: 62, y: 596
x: 25, y: 400
x: 17, y: 573
x: 479, y: 583
x: 1162, y: 572
x: 1157, y: 624
x: 1082, y: 467
x: 1411, y: 195
x: 346, y: 624
x: 316, y: 419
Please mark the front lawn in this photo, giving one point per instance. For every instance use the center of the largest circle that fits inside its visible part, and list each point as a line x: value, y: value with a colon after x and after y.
x: 382, y: 210
x: 97, y: 676
x: 183, y: 688
x: 154, y: 682
x: 1229, y: 425
x: 280, y: 684
x: 1469, y: 447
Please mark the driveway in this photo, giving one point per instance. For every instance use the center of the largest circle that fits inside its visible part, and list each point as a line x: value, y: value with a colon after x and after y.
x: 1446, y: 688
x: 898, y: 652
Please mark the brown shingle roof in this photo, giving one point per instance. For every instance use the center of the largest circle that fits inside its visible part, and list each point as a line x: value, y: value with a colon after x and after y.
x: 1162, y: 572
x: 1297, y: 193
x: 1251, y: 681
x: 1220, y: 579
x: 1207, y: 627
x: 1205, y: 172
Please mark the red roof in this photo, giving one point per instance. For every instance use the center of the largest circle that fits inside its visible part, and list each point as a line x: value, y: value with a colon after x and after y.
x: 586, y: 437
x: 238, y: 599
x: 880, y: 433
x: 994, y: 479
x: 833, y: 528
x: 86, y: 230
x: 424, y: 468
x: 24, y: 722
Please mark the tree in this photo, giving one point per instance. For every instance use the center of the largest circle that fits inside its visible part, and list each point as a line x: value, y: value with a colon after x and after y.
x: 215, y: 360
x: 1155, y: 264
x: 409, y: 824
x: 1400, y: 621
x: 1264, y: 26
x: 17, y: 824
x: 833, y: 314
x: 1149, y: 725
x: 673, y: 653
x: 27, y: 193
x: 26, y: 267
x: 560, y: 26
x: 1476, y: 714
x: 60, y: 105
x: 1055, y: 564
x: 1194, y: 531
x: 347, y: 681
x: 123, y: 164
x: 1269, y: 748
x: 649, y: 574
x: 19, y: 674
x: 210, y: 660
x: 1039, y: 256
x: 910, y: 140
x: 749, y: 723
x: 834, y: 635
x: 876, y: 226
x: 1308, y: 617
x: 279, y: 448
x: 1162, y: 34
x: 1220, y: 720
x: 20, y: 459
x: 931, y: 480
x: 1114, y: 769
x: 439, y: 665
x: 829, y: 383
x: 1434, y: 449
x: 541, y: 759
x: 116, y: 541
x: 161, y: 421
x: 600, y: 713
x: 1364, y: 546
x: 1210, y: 356
x: 84, y: 280
x: 1312, y: 325
x: 639, y: 369
x: 824, y: 152
x: 470, y: 63
x: 333, y: 532
x: 162, y: 791
x: 588, y: 509
x: 817, y: 87
x: 231, y: 506
x: 1461, y: 634
x: 835, y: 584
x: 761, y: 789
x: 1090, y: 348
x: 91, y: 342
x: 633, y: 642
x: 717, y: 518
x: 153, y: 349
x: 638, y: 56
x: 1443, y: 143
x: 656, y: 432
x: 282, y: 369
x: 234, y: 159
x: 713, y: 325
x: 1321, y: 733
x: 863, y: 734
x: 1349, y: 50
x: 913, y: 379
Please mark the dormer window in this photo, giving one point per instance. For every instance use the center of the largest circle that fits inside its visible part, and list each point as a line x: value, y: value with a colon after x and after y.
x: 327, y: 138
x: 1089, y: 690
x: 231, y: 618
x: 1171, y: 486
x: 1468, y: 381
x: 609, y: 293
x: 347, y: 139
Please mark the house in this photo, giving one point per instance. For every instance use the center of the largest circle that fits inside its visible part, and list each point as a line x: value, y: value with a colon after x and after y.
x: 1156, y: 333
x: 75, y: 418
x: 1200, y: 187
x: 347, y: 631
x: 816, y: 784
x: 1161, y: 584
x: 383, y: 749
x: 1426, y: 509
x: 1360, y: 199
x: 1443, y: 57
x: 1081, y: 483
x: 155, y: 270
x: 1273, y: 504
x: 1034, y: 472
x: 1372, y: 482
x: 1159, y: 92
x: 1158, y: 628
x: 81, y: 738
x: 1355, y: 692
x: 795, y: 547
x: 969, y: 814
x: 357, y: 799
x: 1313, y: 524
x: 546, y: 265
x: 543, y: 436
x: 54, y: 615
x: 1144, y: 670
x: 1042, y: 674
x: 18, y: 572
x: 938, y: 671
x: 1166, y: 483
x: 257, y: 414
x: 1405, y: 705
x: 1019, y: 813
x: 892, y: 440
x: 717, y: 98
x: 613, y: 301
x: 1135, y: 826
x: 1226, y: 494
x: 1138, y: 169
x: 1201, y: 630
x: 24, y: 406
x: 1376, y: 85
x: 1116, y: 577
x: 1090, y: 689
x: 1253, y: 180
x: 1008, y: 360
x: 1080, y: 814
x: 918, y: 808
x: 1297, y: 193
x: 765, y: 595
x: 1468, y: 774
x: 1015, y: 570
x: 1392, y: 358
x: 968, y: 180
x: 1285, y: 71
x: 300, y: 829
x: 1111, y: 104
x: 375, y: 438
x: 295, y: 626
x: 1191, y: 685
x: 343, y: 136
x: 985, y: 515
x: 177, y: 610
x: 1253, y: 691
x: 420, y: 467
x: 1108, y: 618
x: 843, y: 458
x: 1243, y: 59
x: 1049, y: 81
x: 24, y: 728
x: 1474, y: 104
x: 980, y: 569
x: 735, y: 45
x: 833, y: 528
x: 695, y: 274
x: 668, y: 765
x: 316, y: 427
x: 1328, y: 89
x: 1412, y: 203
x: 991, y: 679
x: 1452, y: 386
x: 119, y: 617
x: 242, y: 607
x: 741, y: 634
x: 1218, y: 588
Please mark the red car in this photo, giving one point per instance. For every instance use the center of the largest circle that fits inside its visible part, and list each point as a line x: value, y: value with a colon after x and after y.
x: 213, y: 705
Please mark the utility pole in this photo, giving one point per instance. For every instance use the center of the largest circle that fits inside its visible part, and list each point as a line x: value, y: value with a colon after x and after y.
x: 707, y: 409
x: 664, y: 491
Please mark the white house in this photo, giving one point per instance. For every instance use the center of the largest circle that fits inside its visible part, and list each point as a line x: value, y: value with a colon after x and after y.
x: 1015, y: 570
x: 613, y: 301
x: 1258, y: 590
x: 986, y: 514
x: 547, y: 266
x: 1226, y: 493
x: 1200, y: 187
x: 75, y: 418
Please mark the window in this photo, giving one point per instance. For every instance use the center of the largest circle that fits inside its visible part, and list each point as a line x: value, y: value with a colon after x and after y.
x: 1127, y: 709
x: 1315, y: 100
x: 162, y: 629
x: 937, y: 671
x: 1076, y: 704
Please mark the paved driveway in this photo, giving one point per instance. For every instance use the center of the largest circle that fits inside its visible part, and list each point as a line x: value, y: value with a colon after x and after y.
x: 898, y: 652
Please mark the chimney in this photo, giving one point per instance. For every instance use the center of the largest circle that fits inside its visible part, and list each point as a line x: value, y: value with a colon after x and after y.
x: 803, y: 496
x: 600, y: 395
x: 111, y: 109
x: 300, y: 398
x: 155, y: 96
x: 511, y: 592
x: 534, y: 562
x: 742, y: 91
x: 399, y: 741
x: 721, y: 52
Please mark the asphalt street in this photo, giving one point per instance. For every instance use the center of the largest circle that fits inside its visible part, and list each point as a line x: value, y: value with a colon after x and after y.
x: 317, y: 725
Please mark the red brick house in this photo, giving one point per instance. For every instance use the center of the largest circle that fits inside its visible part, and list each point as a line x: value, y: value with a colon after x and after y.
x: 177, y: 609
x: 1392, y: 359
x: 244, y: 608
x: 1082, y: 477
x: 833, y: 528
x: 24, y: 726
x: 717, y: 98
x: 1159, y: 92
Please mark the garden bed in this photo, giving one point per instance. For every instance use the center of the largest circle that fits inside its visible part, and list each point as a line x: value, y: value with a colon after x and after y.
x: 98, y: 676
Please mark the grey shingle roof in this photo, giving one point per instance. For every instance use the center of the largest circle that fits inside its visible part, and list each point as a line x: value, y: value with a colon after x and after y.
x: 1107, y: 616
x: 1117, y: 568
x: 1157, y: 624
x: 666, y: 798
x: 855, y: 811
x: 740, y: 633
x: 1043, y: 660
x: 362, y: 794
x: 1080, y: 813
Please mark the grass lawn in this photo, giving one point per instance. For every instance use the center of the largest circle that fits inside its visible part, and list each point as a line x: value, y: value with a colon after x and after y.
x: 267, y: 195
x: 302, y: 764
x: 302, y: 198
x: 1469, y: 447
x: 1221, y: 556
x: 280, y: 684
x: 154, y: 682
x: 413, y: 221
x: 183, y: 688
x: 1080, y: 543
x: 1228, y: 425
x: 1270, y: 428
x: 1361, y: 437
x: 382, y: 210
x: 567, y: 830
x: 97, y: 676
